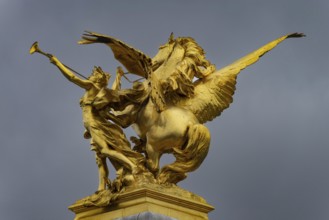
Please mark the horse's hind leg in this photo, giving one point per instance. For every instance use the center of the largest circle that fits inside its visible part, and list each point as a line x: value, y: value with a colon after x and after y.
x: 189, y: 157
x: 153, y: 159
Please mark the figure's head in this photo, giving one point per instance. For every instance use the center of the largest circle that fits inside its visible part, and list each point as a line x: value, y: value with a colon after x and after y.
x: 187, y: 53
x: 99, y: 76
x: 165, y: 51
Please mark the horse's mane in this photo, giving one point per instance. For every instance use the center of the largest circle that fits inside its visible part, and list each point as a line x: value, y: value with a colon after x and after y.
x: 194, y: 63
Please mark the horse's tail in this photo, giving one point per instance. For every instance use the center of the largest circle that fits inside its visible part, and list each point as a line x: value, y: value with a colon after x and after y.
x: 189, y: 157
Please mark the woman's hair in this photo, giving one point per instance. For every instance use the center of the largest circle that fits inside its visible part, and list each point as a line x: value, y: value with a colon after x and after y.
x: 102, y: 77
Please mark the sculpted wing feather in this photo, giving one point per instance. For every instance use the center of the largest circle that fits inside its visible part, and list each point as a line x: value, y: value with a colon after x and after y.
x: 214, y: 93
x: 134, y: 60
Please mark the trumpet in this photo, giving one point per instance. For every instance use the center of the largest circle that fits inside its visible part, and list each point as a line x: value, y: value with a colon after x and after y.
x: 35, y: 49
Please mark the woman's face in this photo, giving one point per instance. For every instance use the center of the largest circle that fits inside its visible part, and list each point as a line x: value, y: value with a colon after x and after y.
x: 94, y: 76
x: 97, y: 77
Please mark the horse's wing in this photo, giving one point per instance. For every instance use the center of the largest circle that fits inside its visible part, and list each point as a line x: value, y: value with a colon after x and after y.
x: 134, y: 60
x: 214, y: 93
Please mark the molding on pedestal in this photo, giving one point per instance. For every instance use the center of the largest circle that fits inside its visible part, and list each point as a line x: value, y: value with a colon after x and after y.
x: 144, y: 200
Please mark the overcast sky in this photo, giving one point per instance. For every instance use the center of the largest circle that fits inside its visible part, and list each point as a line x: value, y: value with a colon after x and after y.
x: 269, y: 156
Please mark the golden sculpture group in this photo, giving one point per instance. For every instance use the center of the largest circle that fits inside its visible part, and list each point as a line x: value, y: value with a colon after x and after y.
x: 181, y: 91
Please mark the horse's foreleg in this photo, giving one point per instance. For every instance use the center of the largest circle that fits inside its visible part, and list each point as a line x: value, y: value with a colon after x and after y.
x: 153, y: 159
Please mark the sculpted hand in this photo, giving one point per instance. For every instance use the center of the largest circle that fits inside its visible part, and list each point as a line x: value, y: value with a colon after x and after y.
x: 120, y: 71
x: 53, y: 60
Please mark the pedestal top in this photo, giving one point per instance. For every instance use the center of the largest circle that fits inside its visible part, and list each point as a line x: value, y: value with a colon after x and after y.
x: 141, y: 200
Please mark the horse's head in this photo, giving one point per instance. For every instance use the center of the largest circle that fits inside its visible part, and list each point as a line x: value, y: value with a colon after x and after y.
x: 172, y: 51
x: 174, y: 67
x: 182, y: 53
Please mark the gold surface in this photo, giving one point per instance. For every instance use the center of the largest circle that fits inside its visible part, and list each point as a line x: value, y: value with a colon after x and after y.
x: 145, y: 199
x: 182, y: 90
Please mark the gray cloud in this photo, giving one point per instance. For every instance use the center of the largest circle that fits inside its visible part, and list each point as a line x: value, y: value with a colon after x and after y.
x: 269, y: 153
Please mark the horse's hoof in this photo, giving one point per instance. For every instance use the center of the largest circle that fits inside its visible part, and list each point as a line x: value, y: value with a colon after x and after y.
x: 128, y: 180
x: 151, y: 167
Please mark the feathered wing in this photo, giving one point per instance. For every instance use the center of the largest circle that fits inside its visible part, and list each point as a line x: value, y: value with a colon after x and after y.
x: 214, y: 93
x: 134, y: 60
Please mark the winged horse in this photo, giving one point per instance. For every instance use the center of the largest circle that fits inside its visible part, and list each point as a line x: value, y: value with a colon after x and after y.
x: 183, y: 91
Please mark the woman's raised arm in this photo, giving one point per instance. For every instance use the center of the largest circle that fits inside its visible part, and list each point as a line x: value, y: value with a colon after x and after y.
x: 85, y: 84
x: 117, y: 82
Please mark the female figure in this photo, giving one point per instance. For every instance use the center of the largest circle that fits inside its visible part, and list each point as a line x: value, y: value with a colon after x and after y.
x: 107, y: 139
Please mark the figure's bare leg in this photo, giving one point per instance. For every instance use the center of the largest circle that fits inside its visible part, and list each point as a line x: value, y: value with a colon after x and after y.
x: 103, y: 172
x: 117, y: 156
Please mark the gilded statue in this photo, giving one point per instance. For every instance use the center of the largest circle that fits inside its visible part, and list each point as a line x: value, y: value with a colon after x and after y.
x: 180, y: 92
